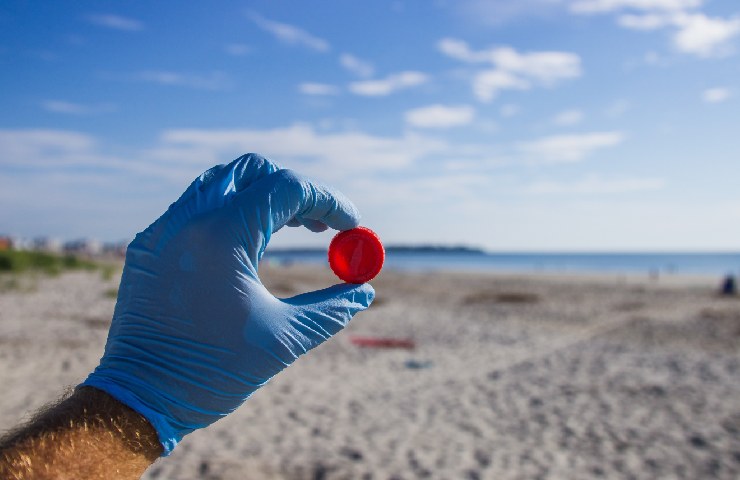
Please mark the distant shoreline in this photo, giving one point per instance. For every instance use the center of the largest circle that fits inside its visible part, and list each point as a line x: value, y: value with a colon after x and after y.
x: 390, y: 249
x: 426, y: 258
x: 482, y: 251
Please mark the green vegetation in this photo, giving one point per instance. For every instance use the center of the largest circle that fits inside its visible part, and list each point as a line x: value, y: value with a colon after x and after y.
x: 108, y: 271
x: 20, y: 270
x: 18, y: 261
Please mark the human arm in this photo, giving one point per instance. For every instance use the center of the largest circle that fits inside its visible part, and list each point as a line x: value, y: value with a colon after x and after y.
x: 87, y: 435
x: 194, y: 331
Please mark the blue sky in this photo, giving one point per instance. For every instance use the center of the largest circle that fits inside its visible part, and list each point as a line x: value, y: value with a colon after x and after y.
x: 528, y: 125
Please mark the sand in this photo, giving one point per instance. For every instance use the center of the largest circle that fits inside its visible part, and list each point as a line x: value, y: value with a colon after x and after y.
x: 512, y: 377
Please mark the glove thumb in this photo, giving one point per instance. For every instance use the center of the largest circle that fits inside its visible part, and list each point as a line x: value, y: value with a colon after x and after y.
x: 322, y: 313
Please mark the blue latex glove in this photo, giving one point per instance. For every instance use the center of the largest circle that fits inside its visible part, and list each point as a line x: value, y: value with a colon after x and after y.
x: 194, y: 331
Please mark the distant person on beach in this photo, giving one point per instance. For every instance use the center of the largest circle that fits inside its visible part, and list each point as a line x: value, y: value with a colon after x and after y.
x: 194, y: 331
x: 729, y: 286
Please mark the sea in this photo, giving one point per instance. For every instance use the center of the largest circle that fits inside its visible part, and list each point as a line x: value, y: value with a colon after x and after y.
x: 654, y: 264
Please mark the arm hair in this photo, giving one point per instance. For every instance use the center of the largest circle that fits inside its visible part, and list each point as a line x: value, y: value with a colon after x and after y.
x: 88, y: 434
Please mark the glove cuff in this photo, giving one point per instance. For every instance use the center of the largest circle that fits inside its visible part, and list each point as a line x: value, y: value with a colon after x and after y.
x: 167, y: 435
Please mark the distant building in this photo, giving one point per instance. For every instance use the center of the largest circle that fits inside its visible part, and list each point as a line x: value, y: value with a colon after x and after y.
x: 6, y: 243
x: 20, y: 243
x: 47, y: 244
x: 116, y: 249
x: 84, y: 246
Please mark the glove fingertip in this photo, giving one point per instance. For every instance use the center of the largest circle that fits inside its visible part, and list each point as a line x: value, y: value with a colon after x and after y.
x: 366, y: 293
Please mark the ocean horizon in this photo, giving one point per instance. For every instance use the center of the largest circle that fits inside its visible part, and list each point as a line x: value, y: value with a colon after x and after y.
x: 426, y: 259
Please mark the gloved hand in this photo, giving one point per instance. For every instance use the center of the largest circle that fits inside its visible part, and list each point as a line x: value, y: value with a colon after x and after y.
x: 194, y: 331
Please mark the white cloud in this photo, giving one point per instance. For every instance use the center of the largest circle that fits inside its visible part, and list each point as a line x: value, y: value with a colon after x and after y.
x: 704, y: 36
x: 568, y: 118
x: 327, y: 154
x: 40, y: 174
x: 512, y: 70
x: 716, y: 95
x: 46, y: 152
x: 604, y: 6
x: 440, y: 116
x: 52, y: 150
x: 569, y: 148
x: 318, y: 89
x: 290, y: 34
x: 181, y: 154
x: 115, y: 22
x: 595, y: 185
x: 644, y: 22
x: 481, y: 165
x: 209, y: 81
x: 359, y: 67
x: 70, y: 108
x: 388, y: 85
x: 546, y: 67
x: 29, y: 148
x: 460, y: 50
x: 488, y: 84
x: 692, y: 31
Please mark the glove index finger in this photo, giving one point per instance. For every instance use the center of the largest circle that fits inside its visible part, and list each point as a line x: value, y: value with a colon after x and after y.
x: 290, y: 195
x: 330, y: 207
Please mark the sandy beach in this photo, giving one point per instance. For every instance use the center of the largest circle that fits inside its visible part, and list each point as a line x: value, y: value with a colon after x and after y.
x: 511, y: 377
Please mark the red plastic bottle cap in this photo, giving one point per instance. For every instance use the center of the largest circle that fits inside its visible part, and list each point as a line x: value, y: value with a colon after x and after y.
x: 356, y: 255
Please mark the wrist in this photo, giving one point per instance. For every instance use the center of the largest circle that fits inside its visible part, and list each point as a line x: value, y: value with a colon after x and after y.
x: 164, y: 434
x: 99, y: 409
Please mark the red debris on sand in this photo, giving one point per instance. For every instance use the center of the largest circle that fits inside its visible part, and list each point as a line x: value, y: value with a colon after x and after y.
x: 383, y: 342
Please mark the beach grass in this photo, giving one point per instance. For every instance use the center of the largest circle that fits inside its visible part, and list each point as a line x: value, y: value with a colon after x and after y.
x: 20, y: 270
x: 19, y: 261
